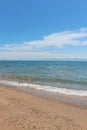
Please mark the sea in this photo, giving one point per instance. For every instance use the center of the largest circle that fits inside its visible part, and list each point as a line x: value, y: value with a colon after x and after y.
x: 64, y: 77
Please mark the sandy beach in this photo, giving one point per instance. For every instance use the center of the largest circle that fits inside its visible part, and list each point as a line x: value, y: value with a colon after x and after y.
x: 24, y: 111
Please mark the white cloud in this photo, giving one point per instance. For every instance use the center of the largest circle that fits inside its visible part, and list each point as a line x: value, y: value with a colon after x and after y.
x: 72, y: 38
x: 28, y: 50
x: 85, y: 43
x: 37, y: 56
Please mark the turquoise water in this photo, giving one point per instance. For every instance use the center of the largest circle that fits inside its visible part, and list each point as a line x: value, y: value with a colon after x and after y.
x: 69, y: 75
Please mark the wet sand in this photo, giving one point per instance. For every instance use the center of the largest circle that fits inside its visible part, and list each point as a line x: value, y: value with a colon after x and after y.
x: 24, y: 111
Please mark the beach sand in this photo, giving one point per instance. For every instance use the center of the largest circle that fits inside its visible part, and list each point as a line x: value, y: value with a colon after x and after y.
x: 24, y: 111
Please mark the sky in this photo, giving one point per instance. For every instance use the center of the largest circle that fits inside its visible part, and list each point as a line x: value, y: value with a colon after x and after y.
x: 43, y: 29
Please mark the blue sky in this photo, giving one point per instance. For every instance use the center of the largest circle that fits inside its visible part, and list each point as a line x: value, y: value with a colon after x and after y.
x: 43, y: 29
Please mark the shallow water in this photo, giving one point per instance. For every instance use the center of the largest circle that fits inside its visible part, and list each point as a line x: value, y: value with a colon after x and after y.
x: 67, y: 77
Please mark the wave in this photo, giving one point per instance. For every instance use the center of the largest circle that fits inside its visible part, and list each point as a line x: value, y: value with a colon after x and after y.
x: 65, y: 91
x: 41, y: 79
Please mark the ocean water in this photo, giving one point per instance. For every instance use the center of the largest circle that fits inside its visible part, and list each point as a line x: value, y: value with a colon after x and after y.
x: 67, y: 77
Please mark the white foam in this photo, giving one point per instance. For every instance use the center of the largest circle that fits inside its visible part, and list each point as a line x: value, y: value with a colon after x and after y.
x: 46, y: 88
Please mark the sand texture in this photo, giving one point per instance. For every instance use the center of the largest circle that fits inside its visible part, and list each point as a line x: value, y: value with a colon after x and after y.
x: 23, y: 111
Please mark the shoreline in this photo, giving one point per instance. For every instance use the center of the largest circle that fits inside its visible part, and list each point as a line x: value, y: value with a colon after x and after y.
x: 80, y: 101
x: 20, y: 110
x: 69, y: 91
